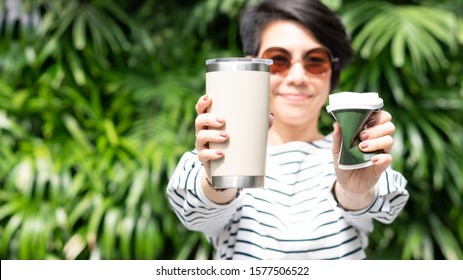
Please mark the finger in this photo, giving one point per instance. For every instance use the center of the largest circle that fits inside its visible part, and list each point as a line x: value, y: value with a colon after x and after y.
x: 379, y: 117
x: 383, y: 143
x: 206, y: 155
x: 206, y: 120
x: 202, y: 104
x: 381, y: 162
x: 377, y: 131
x: 204, y: 137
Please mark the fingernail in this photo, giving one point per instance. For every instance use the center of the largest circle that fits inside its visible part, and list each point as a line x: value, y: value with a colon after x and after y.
x: 363, y: 145
x: 223, y: 134
x: 205, y: 97
x: 374, y: 159
x: 219, y: 153
x: 363, y: 136
x: 371, y: 123
x: 219, y: 119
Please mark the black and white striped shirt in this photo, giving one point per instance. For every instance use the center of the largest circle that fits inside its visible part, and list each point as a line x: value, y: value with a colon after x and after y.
x: 294, y: 216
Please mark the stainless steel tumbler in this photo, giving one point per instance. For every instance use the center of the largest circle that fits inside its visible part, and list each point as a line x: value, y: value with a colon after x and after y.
x: 240, y: 89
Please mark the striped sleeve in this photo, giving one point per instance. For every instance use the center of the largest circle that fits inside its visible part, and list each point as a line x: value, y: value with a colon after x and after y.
x: 391, y: 197
x: 190, y: 204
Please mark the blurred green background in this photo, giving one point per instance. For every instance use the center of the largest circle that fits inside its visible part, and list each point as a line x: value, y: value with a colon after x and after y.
x: 97, y: 105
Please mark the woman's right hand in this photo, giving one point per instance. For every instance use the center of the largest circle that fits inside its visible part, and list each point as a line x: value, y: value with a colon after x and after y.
x: 204, y: 135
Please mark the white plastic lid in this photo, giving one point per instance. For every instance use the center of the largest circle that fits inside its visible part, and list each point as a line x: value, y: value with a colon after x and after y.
x: 354, y: 100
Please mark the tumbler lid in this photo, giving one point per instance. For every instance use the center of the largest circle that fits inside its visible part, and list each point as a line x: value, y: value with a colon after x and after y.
x: 238, y: 64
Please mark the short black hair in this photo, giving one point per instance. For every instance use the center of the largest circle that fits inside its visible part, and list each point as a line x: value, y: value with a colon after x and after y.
x: 324, y: 24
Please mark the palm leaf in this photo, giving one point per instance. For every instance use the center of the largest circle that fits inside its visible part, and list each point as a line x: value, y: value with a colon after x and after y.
x: 109, y: 233
x: 414, y: 30
x: 446, y: 240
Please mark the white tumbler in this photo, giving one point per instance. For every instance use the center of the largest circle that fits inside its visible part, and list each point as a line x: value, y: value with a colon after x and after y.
x: 240, y: 89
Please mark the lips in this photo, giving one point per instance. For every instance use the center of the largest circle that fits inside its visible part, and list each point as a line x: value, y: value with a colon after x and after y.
x: 294, y: 96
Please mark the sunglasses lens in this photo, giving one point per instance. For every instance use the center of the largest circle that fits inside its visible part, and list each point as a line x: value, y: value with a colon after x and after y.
x: 317, y: 61
x: 281, y: 60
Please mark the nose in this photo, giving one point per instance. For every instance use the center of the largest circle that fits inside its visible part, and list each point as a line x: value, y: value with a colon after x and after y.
x: 296, y: 74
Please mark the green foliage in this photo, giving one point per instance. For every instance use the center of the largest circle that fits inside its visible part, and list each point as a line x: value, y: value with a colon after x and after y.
x: 92, y: 126
x: 97, y: 105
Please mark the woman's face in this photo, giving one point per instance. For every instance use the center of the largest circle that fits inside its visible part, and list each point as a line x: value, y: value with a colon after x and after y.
x: 296, y: 96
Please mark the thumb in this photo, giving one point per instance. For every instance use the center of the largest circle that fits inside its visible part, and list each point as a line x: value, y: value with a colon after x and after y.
x: 337, y: 138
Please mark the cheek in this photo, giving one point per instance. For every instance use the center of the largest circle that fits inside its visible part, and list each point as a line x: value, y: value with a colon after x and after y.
x: 322, y: 85
x: 275, y: 82
x: 328, y: 82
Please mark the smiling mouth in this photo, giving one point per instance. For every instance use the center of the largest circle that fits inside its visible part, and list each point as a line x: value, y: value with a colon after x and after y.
x: 295, y: 97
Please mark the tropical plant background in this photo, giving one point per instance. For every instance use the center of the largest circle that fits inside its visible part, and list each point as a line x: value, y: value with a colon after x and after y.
x: 97, y: 105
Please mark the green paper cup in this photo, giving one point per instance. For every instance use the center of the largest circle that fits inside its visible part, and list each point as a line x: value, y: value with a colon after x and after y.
x: 352, y: 110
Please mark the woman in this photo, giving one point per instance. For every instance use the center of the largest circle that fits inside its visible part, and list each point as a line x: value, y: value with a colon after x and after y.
x: 308, y: 209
